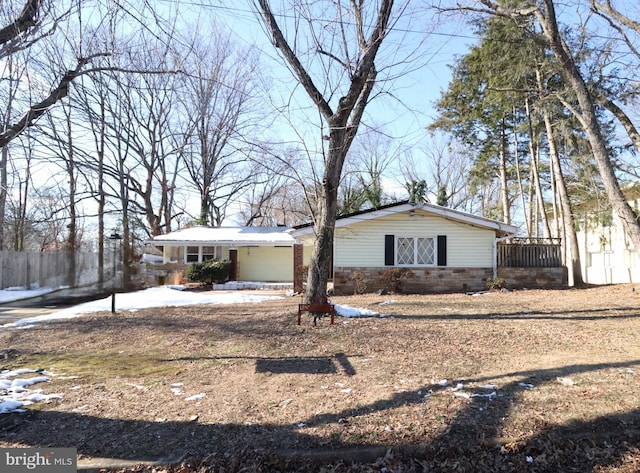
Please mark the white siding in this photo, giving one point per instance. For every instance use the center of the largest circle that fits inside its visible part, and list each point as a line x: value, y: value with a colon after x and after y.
x: 362, y: 244
x: 265, y: 264
x: 607, y: 256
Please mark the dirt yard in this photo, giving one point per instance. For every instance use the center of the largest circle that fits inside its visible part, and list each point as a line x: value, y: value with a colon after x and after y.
x: 536, y: 381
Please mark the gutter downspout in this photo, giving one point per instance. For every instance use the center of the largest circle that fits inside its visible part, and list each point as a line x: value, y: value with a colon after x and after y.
x: 495, y: 254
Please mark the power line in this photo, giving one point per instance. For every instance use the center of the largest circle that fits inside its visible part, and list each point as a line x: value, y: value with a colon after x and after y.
x: 250, y: 13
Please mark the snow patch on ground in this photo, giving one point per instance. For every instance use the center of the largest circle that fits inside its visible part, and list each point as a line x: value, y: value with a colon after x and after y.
x: 14, y: 394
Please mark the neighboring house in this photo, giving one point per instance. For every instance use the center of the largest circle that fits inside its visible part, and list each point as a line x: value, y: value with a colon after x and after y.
x: 412, y: 248
x: 261, y: 254
x: 607, y: 254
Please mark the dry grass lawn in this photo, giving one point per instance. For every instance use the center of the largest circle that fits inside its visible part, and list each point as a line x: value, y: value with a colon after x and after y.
x: 535, y: 381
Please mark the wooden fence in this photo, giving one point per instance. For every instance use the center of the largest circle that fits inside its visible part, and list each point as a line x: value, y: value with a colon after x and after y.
x: 50, y: 269
x: 530, y: 253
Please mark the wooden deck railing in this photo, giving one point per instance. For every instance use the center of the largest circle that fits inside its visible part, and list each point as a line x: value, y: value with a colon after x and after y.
x: 530, y: 253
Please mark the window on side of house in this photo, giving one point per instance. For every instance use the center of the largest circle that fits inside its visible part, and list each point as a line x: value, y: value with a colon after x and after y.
x: 209, y: 252
x: 198, y: 254
x: 193, y: 254
x: 416, y: 251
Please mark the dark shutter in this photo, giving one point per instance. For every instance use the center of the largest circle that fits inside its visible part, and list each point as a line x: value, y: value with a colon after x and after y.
x: 442, y: 250
x: 389, y: 250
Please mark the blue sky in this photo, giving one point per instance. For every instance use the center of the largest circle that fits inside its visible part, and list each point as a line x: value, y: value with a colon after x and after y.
x: 405, y: 115
x: 406, y: 107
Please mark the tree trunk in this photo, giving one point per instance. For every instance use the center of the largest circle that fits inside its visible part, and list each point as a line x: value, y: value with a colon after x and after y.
x: 531, y: 195
x: 320, y: 262
x: 343, y: 125
x: 4, y: 157
x: 101, y: 192
x: 506, y: 213
x: 340, y: 138
x: 71, y: 245
x: 567, y: 212
x: 523, y: 201
x: 125, y: 255
x: 534, y: 149
x: 3, y: 193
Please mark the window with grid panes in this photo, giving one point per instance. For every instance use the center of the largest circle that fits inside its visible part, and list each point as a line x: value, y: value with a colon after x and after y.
x: 412, y: 251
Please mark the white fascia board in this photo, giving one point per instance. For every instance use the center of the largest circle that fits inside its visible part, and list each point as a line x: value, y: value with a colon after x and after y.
x: 444, y: 212
x: 477, y: 221
x: 225, y: 236
x: 218, y: 243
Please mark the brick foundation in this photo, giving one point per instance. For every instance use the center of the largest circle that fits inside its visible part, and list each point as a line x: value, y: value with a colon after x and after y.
x: 441, y: 279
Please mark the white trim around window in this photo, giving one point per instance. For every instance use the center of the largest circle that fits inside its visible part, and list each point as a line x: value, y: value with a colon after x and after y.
x: 198, y: 254
x: 416, y: 250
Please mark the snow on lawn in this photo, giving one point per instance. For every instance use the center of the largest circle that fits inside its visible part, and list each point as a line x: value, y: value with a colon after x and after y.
x: 161, y: 297
x: 13, y: 392
x: 153, y: 297
x: 348, y: 311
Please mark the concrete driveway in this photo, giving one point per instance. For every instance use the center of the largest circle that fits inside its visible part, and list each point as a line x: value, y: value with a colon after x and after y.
x: 47, y: 303
x: 14, y: 311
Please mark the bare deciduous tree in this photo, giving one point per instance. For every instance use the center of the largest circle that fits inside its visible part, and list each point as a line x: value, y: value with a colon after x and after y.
x: 444, y: 165
x: 221, y: 101
x: 345, y: 38
x: 54, y: 43
x: 370, y: 159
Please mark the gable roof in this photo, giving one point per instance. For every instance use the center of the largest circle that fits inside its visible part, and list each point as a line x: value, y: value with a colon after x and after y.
x: 501, y: 228
x: 226, y: 236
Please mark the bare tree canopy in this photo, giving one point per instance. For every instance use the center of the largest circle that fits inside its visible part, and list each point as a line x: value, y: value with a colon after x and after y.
x: 35, y: 111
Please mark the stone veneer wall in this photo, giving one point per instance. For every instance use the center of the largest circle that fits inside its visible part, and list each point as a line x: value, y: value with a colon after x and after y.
x: 534, y: 278
x: 442, y: 279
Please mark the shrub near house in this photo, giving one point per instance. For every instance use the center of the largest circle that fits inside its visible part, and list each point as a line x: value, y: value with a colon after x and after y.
x: 209, y: 271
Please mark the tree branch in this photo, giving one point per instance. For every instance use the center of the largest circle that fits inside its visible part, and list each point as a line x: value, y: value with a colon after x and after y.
x: 607, y: 9
x: 609, y: 18
x: 281, y: 43
x: 60, y: 92
x: 493, y: 8
x: 28, y: 18
x: 334, y: 57
x: 366, y: 65
x: 623, y: 118
x: 40, y: 108
x: 359, y: 108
